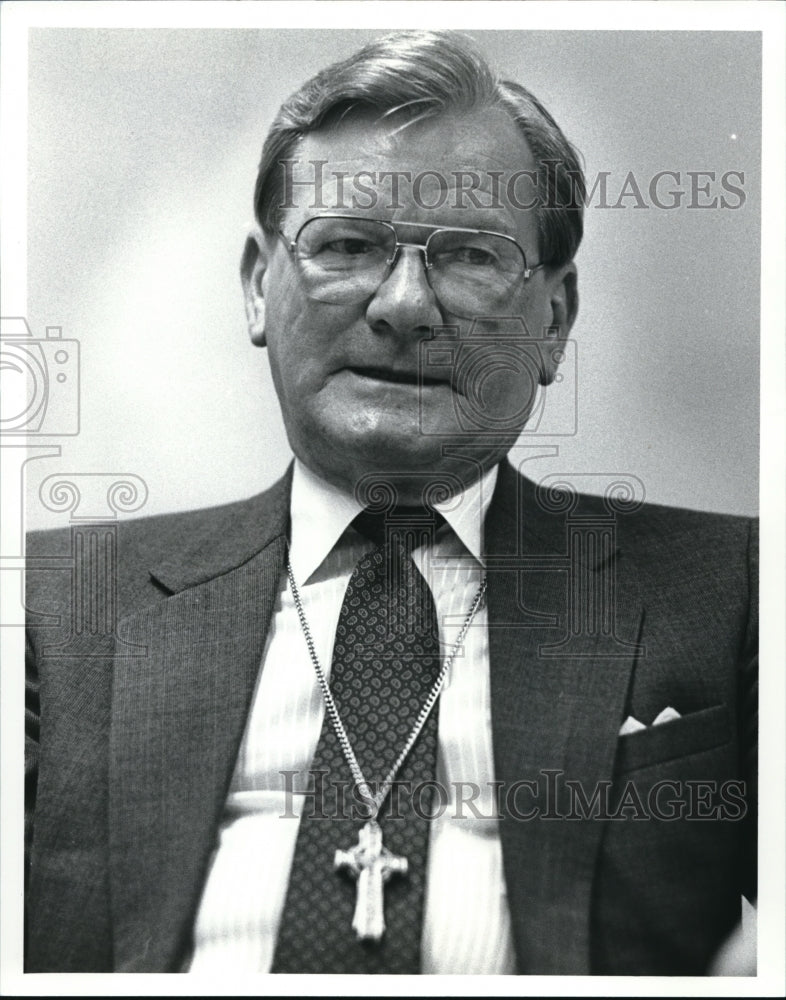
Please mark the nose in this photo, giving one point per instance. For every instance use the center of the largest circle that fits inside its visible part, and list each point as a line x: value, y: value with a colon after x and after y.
x: 404, y: 303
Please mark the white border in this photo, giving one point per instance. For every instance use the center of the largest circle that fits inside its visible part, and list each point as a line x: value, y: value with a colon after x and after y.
x: 767, y: 17
x: 567, y: 15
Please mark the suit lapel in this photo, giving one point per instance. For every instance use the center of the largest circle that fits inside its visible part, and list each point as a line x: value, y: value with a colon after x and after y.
x: 556, y: 711
x: 178, y: 716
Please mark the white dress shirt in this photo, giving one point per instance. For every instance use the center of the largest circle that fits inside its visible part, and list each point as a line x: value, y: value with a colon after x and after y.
x: 466, y: 927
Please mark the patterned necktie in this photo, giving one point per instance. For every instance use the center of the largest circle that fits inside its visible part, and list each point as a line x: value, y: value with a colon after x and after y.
x: 386, y: 659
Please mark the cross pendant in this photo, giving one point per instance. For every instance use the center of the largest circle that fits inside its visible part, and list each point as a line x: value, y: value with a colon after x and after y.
x: 371, y: 864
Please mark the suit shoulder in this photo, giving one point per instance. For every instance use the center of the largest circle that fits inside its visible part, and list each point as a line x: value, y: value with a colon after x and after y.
x: 634, y: 516
x: 143, y: 551
x: 653, y: 534
x: 157, y: 533
x: 698, y: 527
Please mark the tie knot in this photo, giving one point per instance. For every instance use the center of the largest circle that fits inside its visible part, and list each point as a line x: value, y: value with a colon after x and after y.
x: 409, y: 527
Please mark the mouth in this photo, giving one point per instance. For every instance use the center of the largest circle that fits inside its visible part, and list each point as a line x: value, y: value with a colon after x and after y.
x: 397, y: 377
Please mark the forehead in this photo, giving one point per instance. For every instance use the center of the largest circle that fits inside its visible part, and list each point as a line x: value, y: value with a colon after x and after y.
x: 462, y: 170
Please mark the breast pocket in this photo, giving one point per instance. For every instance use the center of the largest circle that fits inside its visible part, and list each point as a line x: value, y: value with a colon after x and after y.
x: 690, y: 734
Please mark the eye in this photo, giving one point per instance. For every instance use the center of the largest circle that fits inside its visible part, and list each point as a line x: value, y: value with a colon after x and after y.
x: 475, y: 256
x: 350, y: 246
x: 467, y: 255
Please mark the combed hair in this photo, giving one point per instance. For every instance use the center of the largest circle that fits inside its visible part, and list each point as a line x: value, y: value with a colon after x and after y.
x: 416, y: 75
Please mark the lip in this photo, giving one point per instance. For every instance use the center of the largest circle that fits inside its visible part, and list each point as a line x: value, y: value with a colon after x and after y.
x: 393, y: 376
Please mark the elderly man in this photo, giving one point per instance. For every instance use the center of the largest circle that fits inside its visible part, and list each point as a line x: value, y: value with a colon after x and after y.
x: 404, y: 712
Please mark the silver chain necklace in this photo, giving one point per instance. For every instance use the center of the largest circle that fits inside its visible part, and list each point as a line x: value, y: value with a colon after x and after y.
x: 370, y: 862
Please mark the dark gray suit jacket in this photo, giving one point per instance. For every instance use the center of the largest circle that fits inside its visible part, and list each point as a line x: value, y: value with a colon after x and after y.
x: 134, y: 735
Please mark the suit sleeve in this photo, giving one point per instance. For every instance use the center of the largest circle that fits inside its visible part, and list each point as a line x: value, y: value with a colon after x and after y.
x: 749, y: 720
x: 32, y: 729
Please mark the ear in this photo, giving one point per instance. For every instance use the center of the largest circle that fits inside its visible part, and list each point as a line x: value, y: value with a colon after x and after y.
x: 253, y: 264
x: 562, y: 311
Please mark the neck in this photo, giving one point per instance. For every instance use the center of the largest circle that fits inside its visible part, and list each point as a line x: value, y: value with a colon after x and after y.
x: 404, y: 488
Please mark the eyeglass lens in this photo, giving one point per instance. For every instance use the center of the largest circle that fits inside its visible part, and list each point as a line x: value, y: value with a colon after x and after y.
x: 346, y: 260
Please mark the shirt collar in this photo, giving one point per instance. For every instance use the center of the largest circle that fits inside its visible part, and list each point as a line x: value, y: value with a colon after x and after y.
x: 321, y: 513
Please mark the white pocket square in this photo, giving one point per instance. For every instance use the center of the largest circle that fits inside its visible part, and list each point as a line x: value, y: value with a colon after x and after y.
x: 631, y: 725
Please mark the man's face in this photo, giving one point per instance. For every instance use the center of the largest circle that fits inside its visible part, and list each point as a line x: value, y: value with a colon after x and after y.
x: 354, y: 393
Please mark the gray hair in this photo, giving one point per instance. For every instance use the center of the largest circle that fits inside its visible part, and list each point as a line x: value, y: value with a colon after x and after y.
x: 419, y: 75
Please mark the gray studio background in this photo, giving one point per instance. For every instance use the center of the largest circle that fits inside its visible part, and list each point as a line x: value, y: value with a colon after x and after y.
x: 143, y: 147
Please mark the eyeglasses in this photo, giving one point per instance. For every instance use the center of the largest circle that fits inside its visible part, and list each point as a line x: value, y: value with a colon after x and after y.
x: 344, y: 259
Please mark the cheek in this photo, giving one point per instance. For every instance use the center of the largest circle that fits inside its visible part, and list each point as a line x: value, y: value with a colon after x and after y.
x: 500, y: 362
x: 305, y: 343
x: 502, y: 384
x: 534, y: 310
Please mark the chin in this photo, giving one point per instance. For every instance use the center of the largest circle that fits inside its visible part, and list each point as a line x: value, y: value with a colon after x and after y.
x: 395, y: 453
x: 415, y: 467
